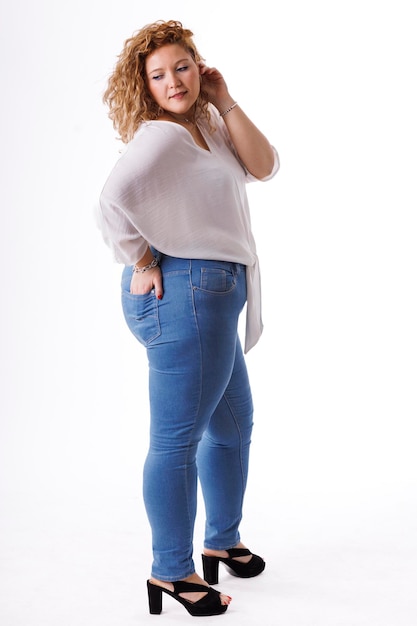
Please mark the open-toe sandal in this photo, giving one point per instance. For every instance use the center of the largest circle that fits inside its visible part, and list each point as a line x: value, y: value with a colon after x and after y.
x: 252, y: 568
x: 210, y: 604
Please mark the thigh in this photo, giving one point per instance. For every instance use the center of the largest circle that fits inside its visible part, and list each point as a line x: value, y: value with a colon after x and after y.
x: 168, y: 331
x: 219, y: 296
x: 190, y: 336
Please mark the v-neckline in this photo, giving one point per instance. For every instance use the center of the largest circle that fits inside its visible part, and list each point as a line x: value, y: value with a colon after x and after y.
x: 206, y: 149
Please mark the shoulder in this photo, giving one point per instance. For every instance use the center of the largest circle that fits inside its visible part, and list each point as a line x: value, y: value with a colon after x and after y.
x: 216, y: 121
x: 152, y: 152
x: 152, y: 141
x: 220, y: 136
x: 152, y: 133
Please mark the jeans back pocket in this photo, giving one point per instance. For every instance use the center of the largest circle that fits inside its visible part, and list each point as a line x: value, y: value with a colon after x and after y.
x: 142, y: 316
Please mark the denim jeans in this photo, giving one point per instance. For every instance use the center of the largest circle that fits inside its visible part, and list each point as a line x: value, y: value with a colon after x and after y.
x: 200, y: 406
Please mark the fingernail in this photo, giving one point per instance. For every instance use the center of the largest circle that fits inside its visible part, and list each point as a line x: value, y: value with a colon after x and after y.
x: 159, y: 297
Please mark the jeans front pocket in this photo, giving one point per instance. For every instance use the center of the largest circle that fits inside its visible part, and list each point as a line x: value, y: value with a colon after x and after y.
x: 142, y: 316
x: 217, y: 279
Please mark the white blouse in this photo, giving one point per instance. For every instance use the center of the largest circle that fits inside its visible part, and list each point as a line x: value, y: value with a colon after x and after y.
x: 185, y: 201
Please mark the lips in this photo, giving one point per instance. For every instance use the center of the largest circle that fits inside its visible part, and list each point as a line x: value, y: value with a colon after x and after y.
x: 179, y: 95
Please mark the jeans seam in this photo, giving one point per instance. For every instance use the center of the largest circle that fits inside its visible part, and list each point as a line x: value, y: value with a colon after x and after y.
x: 242, y: 473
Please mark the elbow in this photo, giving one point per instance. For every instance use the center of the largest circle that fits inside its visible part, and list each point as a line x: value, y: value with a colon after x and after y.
x: 270, y: 166
x: 273, y: 164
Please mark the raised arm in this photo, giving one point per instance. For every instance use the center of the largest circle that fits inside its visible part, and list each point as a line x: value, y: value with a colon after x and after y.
x: 252, y: 146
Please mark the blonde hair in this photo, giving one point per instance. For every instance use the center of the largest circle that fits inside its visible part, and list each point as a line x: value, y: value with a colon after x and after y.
x: 127, y: 95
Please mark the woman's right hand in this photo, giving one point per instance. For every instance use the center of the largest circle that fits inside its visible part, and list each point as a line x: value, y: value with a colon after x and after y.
x: 143, y: 282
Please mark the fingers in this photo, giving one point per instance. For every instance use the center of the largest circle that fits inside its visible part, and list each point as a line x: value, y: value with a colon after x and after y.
x: 159, y: 292
x: 208, y: 71
x: 142, y: 284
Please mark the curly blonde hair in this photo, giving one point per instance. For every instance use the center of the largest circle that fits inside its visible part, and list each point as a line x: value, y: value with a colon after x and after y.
x: 127, y: 95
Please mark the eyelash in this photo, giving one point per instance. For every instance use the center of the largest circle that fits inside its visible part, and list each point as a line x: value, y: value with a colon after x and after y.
x: 179, y: 69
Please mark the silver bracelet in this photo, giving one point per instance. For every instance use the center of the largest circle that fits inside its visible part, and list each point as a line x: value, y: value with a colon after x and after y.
x: 140, y: 270
x: 228, y: 110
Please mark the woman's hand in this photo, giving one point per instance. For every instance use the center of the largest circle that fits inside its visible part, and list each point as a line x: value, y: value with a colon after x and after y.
x: 213, y: 83
x: 143, y: 282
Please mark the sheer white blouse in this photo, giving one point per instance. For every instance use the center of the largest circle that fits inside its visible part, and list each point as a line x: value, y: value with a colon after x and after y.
x: 185, y: 201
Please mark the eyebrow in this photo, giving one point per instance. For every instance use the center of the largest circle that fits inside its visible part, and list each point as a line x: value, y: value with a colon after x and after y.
x: 160, y: 69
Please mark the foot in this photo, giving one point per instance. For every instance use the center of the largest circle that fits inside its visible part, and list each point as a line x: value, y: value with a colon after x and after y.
x: 191, y: 596
x: 224, y: 554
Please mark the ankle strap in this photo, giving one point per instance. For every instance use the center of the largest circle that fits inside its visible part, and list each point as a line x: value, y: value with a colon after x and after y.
x: 181, y: 586
x: 233, y: 552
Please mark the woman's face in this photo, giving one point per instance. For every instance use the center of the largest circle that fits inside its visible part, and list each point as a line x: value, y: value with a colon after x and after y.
x: 173, y: 78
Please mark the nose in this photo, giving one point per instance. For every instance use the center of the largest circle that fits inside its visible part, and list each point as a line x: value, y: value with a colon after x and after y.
x: 174, y: 79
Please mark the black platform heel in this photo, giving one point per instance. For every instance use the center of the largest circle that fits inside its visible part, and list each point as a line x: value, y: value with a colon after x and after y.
x: 243, y: 570
x: 210, y: 604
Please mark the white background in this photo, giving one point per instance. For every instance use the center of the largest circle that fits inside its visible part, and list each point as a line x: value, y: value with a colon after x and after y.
x: 331, y: 501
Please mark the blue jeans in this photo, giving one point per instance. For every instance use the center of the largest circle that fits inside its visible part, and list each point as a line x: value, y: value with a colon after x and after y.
x: 200, y: 406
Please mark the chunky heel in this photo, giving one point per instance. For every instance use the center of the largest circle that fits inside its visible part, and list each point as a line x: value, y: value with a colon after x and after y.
x: 253, y: 567
x: 209, y: 604
x: 211, y: 569
x: 155, y: 599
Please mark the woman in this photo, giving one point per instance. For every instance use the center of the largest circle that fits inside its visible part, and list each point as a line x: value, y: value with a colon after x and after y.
x: 174, y: 211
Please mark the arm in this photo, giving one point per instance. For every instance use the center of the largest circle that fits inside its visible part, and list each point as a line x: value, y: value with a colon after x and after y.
x: 252, y: 146
x: 125, y: 242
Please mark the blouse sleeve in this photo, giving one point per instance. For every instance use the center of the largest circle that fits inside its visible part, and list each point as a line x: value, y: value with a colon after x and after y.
x: 121, y: 236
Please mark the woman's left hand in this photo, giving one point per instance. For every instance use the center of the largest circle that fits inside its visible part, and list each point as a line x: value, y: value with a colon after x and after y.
x: 213, y: 83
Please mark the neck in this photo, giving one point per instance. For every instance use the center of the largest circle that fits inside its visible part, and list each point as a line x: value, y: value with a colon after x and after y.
x: 188, y: 119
